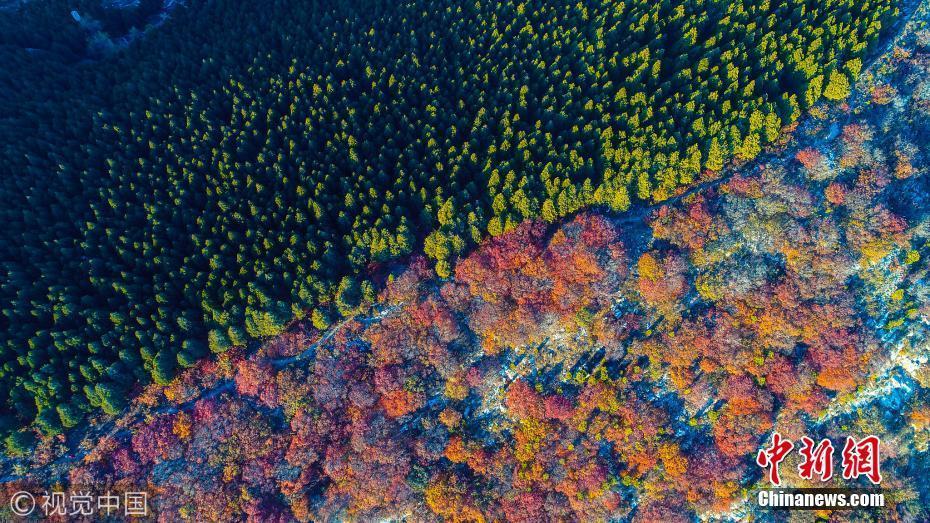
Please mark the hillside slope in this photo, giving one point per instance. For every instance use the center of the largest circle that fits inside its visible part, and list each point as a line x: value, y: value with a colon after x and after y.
x: 622, y: 366
x: 250, y: 163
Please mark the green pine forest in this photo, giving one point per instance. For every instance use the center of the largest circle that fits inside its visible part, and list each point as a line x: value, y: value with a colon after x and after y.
x: 247, y: 163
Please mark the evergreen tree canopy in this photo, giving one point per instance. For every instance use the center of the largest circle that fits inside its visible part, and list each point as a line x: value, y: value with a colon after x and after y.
x: 248, y: 161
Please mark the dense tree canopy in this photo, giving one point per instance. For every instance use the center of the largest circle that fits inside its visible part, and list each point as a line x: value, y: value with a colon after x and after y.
x: 252, y: 162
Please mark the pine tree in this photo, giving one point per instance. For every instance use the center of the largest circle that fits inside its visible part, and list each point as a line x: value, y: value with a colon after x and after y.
x: 714, y: 156
x: 837, y: 87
